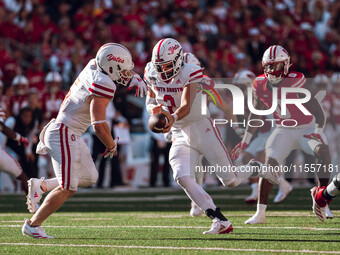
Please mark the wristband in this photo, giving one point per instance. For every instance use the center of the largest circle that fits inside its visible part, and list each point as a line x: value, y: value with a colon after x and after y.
x: 98, y: 122
x: 247, y: 137
x: 175, y: 117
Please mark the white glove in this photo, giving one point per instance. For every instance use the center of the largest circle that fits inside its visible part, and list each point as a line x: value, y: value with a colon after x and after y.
x: 111, y: 152
x: 137, y: 81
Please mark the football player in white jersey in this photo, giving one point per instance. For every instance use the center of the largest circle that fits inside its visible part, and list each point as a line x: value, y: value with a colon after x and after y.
x: 7, y: 163
x: 84, y: 105
x: 175, y: 91
x: 221, y: 110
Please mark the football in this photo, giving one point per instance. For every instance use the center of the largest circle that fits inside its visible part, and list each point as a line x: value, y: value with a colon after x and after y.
x: 157, y: 122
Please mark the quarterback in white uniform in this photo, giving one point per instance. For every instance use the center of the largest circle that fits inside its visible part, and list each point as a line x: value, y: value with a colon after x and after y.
x: 84, y: 105
x: 175, y: 91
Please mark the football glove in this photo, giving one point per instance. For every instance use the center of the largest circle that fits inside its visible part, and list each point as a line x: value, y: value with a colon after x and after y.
x: 141, y: 88
x: 22, y: 140
x: 238, y: 149
x: 111, y: 152
x: 318, y: 135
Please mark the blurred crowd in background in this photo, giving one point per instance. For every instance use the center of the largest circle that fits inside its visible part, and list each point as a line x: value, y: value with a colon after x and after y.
x: 44, y: 44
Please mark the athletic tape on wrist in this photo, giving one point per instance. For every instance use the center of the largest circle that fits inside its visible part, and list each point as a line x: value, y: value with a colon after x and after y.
x: 98, y: 122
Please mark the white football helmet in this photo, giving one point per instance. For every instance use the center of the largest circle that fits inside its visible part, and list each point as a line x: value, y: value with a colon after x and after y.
x: 21, y: 85
x: 335, y: 79
x: 190, y: 58
x: 115, y: 60
x: 275, y: 63
x: 167, y: 58
x: 53, y: 77
x: 20, y: 80
x: 244, y: 78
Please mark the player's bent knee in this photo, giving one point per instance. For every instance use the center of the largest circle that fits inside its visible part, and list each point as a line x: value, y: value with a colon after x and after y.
x: 232, y: 183
x: 184, y: 180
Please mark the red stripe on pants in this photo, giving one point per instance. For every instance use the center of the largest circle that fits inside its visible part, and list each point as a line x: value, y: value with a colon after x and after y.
x: 68, y: 160
x: 62, y: 155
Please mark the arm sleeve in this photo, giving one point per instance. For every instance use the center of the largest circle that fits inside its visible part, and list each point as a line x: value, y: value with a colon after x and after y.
x: 150, y: 104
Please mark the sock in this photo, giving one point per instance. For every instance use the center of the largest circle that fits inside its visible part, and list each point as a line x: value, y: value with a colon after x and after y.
x: 212, y: 214
x: 261, y: 209
x: 254, y: 186
x: 331, y: 191
x: 51, y: 184
x: 196, y: 193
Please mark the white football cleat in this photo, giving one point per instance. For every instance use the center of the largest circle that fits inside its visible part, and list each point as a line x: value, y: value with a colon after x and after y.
x: 35, y: 232
x: 256, y: 219
x: 252, y: 198
x: 195, y: 211
x: 219, y: 227
x: 284, y: 189
x: 329, y: 214
x: 319, y: 211
x: 265, y: 172
x: 34, y: 194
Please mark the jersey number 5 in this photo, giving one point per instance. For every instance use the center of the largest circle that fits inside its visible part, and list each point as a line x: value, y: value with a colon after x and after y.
x: 168, y: 98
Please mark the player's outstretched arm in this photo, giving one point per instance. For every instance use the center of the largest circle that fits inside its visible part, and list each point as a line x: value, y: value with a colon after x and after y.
x: 13, y: 135
x: 187, y: 99
x: 101, y: 128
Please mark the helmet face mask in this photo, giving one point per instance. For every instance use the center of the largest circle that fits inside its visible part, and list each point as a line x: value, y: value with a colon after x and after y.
x: 115, y: 61
x: 275, y: 63
x: 167, y: 58
x: 124, y: 77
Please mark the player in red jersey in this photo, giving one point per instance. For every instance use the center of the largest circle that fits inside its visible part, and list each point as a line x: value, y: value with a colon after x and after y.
x: 19, y: 99
x: 295, y: 130
x: 53, y: 98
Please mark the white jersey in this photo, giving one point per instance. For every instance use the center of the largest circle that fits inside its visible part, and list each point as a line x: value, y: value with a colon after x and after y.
x: 170, y: 93
x: 75, y: 111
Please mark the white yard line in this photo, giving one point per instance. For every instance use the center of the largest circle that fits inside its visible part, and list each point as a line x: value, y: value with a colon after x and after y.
x: 183, y: 227
x: 171, y: 248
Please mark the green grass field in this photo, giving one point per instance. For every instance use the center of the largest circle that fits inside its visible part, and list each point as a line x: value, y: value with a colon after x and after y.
x: 158, y: 222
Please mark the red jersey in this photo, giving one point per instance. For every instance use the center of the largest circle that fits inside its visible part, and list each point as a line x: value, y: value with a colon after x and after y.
x: 17, y: 103
x: 292, y: 80
x: 51, y: 104
x: 336, y: 107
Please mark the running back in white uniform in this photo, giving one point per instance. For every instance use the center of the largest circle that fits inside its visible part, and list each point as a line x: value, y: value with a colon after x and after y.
x: 71, y: 159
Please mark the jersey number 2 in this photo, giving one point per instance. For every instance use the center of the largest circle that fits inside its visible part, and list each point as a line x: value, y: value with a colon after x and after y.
x: 172, y: 102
